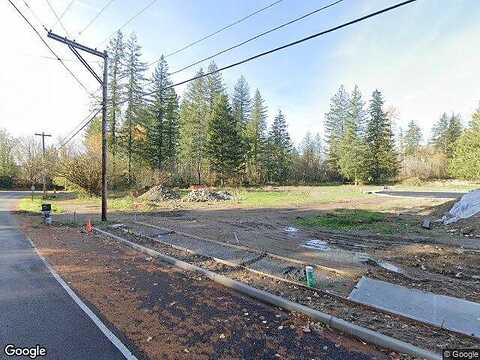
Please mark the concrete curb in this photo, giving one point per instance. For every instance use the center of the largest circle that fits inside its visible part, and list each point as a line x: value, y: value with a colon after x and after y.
x: 362, y: 333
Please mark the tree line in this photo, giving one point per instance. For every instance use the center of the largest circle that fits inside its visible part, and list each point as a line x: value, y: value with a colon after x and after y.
x: 211, y: 136
x: 208, y: 136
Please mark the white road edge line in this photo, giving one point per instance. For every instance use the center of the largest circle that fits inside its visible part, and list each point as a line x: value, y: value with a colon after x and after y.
x: 103, y: 328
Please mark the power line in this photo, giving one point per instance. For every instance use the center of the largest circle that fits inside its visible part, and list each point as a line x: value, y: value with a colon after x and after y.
x: 128, y: 21
x: 90, y: 119
x: 50, y: 49
x: 95, y: 17
x: 257, y: 36
x: 34, y: 14
x: 57, y: 17
x: 219, y: 30
x: 63, y: 13
x: 75, y: 128
x: 338, y: 27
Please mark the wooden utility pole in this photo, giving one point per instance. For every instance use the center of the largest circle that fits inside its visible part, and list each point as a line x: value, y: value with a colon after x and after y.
x: 73, y: 46
x: 44, y: 172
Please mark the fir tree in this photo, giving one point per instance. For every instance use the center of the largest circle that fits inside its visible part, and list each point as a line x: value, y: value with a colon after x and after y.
x: 162, y: 130
x: 279, y: 150
x: 214, y: 84
x: 334, y: 125
x: 352, y: 151
x: 194, y: 113
x: 135, y: 108
x: 412, y: 138
x: 224, y: 142
x: 310, y: 159
x: 351, y: 147
x: 356, y: 112
x: 465, y: 162
x: 116, y: 51
x: 256, y: 139
x: 381, y: 159
x: 241, y: 102
x: 445, y: 133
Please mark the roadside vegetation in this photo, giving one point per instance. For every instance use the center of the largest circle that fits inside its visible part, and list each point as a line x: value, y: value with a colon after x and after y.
x: 215, y: 137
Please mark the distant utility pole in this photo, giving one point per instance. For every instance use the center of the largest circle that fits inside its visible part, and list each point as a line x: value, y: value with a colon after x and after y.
x: 73, y: 46
x: 44, y: 177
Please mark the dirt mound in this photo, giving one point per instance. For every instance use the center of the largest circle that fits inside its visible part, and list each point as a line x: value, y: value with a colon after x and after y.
x: 204, y: 195
x: 160, y: 193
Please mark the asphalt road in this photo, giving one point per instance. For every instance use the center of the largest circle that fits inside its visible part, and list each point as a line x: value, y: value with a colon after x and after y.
x: 422, y: 194
x: 34, y: 308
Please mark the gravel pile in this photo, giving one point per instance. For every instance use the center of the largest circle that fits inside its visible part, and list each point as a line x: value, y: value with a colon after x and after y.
x: 160, y: 193
x: 204, y: 195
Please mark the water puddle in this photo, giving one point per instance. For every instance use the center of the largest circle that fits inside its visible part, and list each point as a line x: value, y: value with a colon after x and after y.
x: 383, y: 264
x: 390, y: 267
x: 291, y: 229
x: 315, y: 244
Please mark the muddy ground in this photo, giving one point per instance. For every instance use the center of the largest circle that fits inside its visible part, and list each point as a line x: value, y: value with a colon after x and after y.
x: 417, y: 333
x: 163, y: 313
x: 445, y: 265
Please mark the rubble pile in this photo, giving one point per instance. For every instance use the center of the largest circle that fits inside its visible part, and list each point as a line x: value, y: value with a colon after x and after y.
x: 160, y: 193
x: 204, y: 195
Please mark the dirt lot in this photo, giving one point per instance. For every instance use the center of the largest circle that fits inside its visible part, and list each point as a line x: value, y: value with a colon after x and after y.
x: 435, y: 263
x: 166, y: 314
x: 361, y: 232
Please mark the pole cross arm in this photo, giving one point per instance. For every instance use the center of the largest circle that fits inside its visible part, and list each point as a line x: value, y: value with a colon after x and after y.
x: 76, y: 45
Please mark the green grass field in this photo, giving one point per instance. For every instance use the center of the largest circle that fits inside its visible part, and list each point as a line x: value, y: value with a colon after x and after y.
x: 352, y: 220
x: 266, y: 197
x: 294, y: 196
x: 35, y: 206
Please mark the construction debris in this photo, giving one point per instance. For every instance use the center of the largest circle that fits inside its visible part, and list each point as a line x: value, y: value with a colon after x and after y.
x: 468, y: 206
x: 427, y: 224
x: 204, y: 195
x: 160, y: 193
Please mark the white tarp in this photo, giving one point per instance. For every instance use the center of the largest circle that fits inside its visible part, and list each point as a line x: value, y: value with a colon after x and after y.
x: 468, y: 206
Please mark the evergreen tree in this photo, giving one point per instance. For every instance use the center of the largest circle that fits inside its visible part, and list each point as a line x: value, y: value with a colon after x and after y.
x: 381, y: 159
x: 401, y: 147
x: 352, y: 153
x: 465, y: 162
x: 224, y: 141
x: 334, y: 125
x: 439, y: 132
x: 135, y: 108
x: 241, y: 102
x: 256, y: 139
x: 356, y: 112
x: 279, y: 150
x: 116, y: 52
x: 162, y: 129
x: 412, y: 138
x: 194, y: 113
x: 351, y: 147
x: 214, y: 84
x: 309, y: 161
x: 445, y: 133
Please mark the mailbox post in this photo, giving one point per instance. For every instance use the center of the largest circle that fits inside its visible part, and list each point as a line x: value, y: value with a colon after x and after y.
x: 46, y: 213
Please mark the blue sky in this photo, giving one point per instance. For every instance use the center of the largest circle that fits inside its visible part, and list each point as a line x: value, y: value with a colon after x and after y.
x: 423, y: 56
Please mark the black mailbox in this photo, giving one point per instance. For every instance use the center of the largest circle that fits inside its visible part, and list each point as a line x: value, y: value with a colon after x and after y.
x: 46, y: 207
